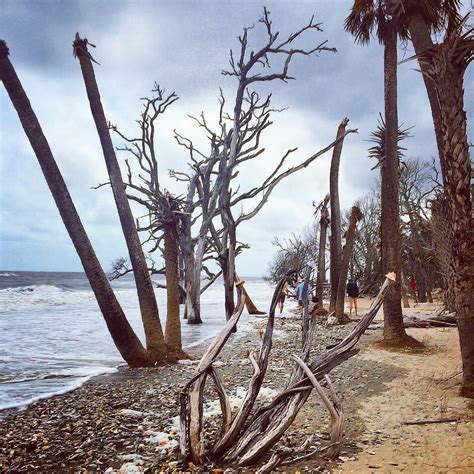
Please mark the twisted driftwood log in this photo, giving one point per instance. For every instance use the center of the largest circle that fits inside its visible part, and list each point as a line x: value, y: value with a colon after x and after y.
x: 251, y: 434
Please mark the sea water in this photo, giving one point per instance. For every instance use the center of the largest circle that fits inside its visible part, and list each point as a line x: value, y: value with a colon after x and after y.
x: 53, y: 337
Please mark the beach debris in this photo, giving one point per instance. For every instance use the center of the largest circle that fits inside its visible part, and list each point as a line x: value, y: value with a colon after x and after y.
x: 131, y: 413
x: 265, y: 426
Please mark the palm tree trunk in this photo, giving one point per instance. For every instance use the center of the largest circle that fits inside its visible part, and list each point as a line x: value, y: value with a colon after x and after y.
x: 155, y: 341
x: 390, y: 214
x: 335, y: 239
x: 446, y: 66
x: 421, y: 39
x: 323, y: 224
x: 442, y: 246
x: 356, y: 216
x: 124, y: 338
x: 173, y: 323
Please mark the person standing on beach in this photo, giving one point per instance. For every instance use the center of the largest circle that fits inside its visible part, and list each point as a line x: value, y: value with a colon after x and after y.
x: 352, y: 291
x: 414, y: 288
x: 299, y: 293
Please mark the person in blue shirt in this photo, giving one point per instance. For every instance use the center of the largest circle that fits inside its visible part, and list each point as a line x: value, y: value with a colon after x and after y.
x: 299, y: 292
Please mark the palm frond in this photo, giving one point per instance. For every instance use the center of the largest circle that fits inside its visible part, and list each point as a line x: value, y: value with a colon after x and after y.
x: 378, y: 138
x: 365, y: 18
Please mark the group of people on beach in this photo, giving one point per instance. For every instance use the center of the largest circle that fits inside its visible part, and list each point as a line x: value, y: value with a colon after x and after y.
x: 297, y: 291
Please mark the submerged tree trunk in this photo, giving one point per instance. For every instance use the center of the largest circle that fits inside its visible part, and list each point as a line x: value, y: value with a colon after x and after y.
x: 356, y: 216
x: 323, y: 224
x: 446, y: 66
x: 123, y: 335
x: 173, y: 323
x: 335, y: 240
x: 390, y: 213
x: 155, y: 341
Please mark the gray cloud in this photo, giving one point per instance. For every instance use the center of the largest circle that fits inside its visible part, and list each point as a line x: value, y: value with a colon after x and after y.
x: 184, y: 46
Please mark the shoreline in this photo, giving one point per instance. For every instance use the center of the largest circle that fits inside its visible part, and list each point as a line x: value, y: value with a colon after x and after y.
x: 126, y: 421
x: 78, y: 381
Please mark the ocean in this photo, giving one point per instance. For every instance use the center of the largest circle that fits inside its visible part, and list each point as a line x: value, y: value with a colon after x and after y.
x: 53, y: 337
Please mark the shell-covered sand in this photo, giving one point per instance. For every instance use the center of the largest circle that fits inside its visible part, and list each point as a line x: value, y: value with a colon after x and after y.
x: 127, y: 421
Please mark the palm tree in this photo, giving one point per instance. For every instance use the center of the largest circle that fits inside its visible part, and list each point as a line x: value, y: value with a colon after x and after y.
x: 446, y: 64
x: 123, y: 335
x: 155, y: 340
x: 416, y: 20
x: 443, y: 68
x: 365, y: 17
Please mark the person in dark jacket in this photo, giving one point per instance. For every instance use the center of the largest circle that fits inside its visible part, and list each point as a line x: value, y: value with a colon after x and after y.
x: 352, y: 291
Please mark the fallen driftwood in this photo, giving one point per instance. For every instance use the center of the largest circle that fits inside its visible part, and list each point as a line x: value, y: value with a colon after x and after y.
x: 250, y: 434
x: 430, y: 421
x: 438, y: 320
x: 250, y: 305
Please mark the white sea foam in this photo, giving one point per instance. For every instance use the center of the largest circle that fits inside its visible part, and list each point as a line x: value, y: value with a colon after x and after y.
x: 52, y: 336
x: 7, y: 274
x: 36, y: 296
x: 65, y: 389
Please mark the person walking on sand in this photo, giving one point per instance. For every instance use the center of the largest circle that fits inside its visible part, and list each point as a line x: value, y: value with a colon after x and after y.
x: 282, y: 297
x: 352, y: 291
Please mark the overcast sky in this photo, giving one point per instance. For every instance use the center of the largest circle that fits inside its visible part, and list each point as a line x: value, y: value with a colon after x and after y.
x: 183, y: 45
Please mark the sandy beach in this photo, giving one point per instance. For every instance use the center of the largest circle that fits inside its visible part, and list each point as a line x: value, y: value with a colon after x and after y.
x: 127, y: 422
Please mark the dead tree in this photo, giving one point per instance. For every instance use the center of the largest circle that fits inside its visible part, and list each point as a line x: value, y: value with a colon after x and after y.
x: 335, y: 239
x: 418, y: 184
x: 251, y: 433
x: 323, y: 227
x: 366, y: 253
x: 350, y: 235
x: 295, y: 252
x: 241, y: 143
x: 197, y: 206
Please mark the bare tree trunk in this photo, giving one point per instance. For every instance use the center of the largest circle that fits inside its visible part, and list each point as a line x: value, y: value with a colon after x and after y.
x: 321, y: 277
x: 192, y: 275
x: 335, y: 239
x: 173, y: 323
x: 390, y: 213
x: 149, y: 309
x: 356, y: 216
x: 123, y: 335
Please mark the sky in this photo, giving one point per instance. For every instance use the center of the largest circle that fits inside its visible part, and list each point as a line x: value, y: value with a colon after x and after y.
x: 183, y: 45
